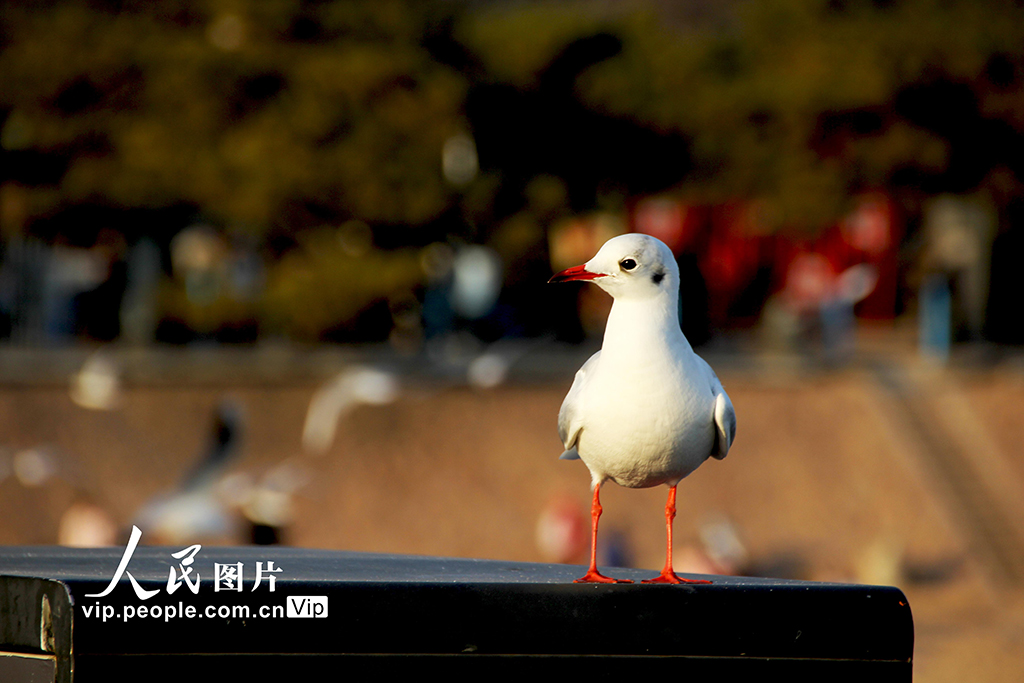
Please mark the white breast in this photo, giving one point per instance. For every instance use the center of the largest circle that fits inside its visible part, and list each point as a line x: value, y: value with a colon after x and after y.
x: 647, y: 422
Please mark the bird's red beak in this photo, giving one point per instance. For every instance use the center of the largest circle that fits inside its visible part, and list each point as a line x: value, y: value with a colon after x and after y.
x: 575, y: 273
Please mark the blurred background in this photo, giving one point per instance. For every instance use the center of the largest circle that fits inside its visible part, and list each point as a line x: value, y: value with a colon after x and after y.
x: 274, y: 272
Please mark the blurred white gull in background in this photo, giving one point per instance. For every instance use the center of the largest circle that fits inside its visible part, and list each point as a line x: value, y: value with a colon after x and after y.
x: 33, y: 467
x: 97, y: 385
x: 195, y: 511
x: 354, y: 386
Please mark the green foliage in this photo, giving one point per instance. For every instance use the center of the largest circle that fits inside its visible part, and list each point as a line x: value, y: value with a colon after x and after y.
x: 330, y: 279
x: 245, y: 106
x: 753, y: 98
x: 230, y: 106
x: 516, y: 43
x: 250, y: 108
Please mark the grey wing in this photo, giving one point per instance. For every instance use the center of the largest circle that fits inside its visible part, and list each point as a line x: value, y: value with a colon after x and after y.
x: 570, y: 420
x: 724, y: 415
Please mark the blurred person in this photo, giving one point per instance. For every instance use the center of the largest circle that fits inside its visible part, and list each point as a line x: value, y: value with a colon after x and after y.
x: 562, y: 530
x: 98, y: 308
x: 138, y: 308
x: 954, y: 271
x: 70, y: 272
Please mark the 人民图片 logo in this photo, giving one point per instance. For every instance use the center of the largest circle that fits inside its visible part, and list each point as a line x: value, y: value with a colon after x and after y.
x: 228, y: 578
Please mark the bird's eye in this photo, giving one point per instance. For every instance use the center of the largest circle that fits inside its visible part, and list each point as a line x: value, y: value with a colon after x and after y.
x: 627, y: 264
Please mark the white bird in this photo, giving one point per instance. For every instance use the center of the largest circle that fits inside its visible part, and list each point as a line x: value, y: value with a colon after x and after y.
x: 194, y: 510
x: 351, y: 387
x: 645, y: 409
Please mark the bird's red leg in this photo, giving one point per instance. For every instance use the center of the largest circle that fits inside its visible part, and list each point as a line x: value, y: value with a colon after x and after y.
x: 668, y: 575
x: 592, y: 575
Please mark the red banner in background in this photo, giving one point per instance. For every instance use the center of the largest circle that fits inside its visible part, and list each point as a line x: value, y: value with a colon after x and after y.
x: 676, y: 224
x: 732, y: 249
x: 875, y: 230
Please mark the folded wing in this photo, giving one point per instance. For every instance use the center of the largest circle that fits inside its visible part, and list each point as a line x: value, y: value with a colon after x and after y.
x: 724, y: 415
x: 570, y: 416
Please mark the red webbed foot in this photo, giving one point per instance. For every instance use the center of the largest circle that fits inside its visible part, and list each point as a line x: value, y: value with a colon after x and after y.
x: 669, y: 576
x: 594, y: 576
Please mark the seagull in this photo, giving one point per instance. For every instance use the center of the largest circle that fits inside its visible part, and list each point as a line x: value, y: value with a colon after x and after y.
x: 351, y: 387
x: 194, y: 509
x: 645, y: 410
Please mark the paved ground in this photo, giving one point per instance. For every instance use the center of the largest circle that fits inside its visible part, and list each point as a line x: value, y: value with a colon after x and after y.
x: 854, y: 475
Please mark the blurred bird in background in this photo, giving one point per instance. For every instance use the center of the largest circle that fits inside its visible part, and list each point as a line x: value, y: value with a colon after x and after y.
x: 352, y: 387
x: 194, y: 510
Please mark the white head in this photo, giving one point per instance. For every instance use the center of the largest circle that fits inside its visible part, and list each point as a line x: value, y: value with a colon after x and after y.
x: 632, y: 266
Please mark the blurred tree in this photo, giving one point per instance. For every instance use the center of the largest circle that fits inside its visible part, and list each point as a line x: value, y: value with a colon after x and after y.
x: 290, y: 112
x: 332, y: 278
x: 530, y: 121
x: 276, y: 116
x: 241, y: 108
x: 268, y: 117
x: 801, y: 103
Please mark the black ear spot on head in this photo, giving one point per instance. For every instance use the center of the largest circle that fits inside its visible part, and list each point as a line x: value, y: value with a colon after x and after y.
x: 658, y: 277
